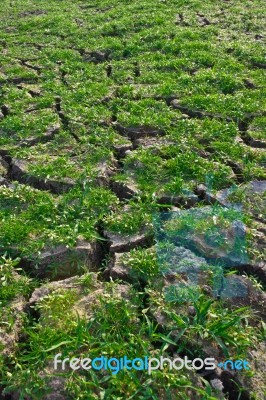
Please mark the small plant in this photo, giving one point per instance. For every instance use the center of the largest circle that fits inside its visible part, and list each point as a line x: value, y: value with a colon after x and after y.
x: 224, y: 327
x: 12, y: 283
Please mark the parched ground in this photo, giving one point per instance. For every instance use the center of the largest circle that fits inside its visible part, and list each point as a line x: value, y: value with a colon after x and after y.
x: 132, y: 195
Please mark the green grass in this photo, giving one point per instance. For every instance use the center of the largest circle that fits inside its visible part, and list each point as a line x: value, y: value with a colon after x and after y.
x: 33, y: 220
x: 209, y: 57
x: 12, y: 284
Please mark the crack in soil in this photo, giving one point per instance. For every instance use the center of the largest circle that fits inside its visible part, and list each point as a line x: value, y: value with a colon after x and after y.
x: 48, y: 136
x: 65, y: 120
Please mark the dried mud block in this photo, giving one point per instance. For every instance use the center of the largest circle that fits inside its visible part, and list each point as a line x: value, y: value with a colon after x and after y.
x: 240, y: 292
x: 84, y: 304
x: 124, y: 190
x: 10, y: 336
x: 222, y: 196
x: 122, y: 149
x: 253, y: 187
x: 105, y: 173
x: 18, y: 170
x: 225, y: 253
x: 62, y: 262
x: 122, y: 243
x: 47, y: 137
x: 179, y: 265
x: 228, y: 256
x: 117, y: 269
x: 72, y: 283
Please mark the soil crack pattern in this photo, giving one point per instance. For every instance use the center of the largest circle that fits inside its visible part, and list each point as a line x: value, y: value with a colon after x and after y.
x: 132, y: 200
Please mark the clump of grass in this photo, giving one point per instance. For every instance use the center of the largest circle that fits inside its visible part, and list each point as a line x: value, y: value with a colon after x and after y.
x: 213, y: 322
x: 49, y: 220
x: 135, y: 217
x: 142, y: 261
x: 13, y: 282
